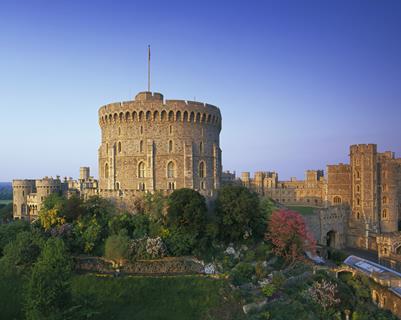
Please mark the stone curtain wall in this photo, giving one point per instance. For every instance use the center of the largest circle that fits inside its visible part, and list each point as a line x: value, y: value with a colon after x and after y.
x: 165, y: 266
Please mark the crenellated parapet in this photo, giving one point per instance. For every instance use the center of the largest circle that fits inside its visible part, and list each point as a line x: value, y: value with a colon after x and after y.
x: 151, y: 107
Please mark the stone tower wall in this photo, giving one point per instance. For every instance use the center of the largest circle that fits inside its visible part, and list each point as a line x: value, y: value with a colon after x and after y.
x: 388, y: 200
x: 21, y: 190
x: 339, y: 189
x: 155, y: 132
x: 364, y: 219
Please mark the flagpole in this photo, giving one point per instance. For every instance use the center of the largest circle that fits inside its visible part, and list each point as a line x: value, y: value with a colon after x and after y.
x: 149, y: 68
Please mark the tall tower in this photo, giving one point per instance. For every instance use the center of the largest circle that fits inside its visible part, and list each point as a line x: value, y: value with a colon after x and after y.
x: 151, y: 144
x: 364, y: 221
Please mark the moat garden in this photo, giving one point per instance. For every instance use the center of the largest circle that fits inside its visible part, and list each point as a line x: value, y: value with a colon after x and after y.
x: 240, y: 257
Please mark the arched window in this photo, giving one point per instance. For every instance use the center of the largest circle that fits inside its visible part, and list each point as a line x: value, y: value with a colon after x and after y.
x: 170, y: 169
x: 141, y: 170
x: 171, y: 129
x: 106, y: 170
x: 358, y: 201
x: 358, y: 175
x: 117, y: 185
x: 358, y: 188
x: 358, y: 215
x: 141, y: 186
x: 141, y: 129
x: 171, y: 185
x: 384, y: 200
x: 203, y: 185
x: 119, y: 147
x: 337, y: 200
x: 141, y: 146
x: 384, y: 214
x: 170, y: 146
x: 202, y: 169
x: 201, y: 147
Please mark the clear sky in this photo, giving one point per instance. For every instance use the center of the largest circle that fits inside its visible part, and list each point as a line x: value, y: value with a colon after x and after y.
x: 297, y: 82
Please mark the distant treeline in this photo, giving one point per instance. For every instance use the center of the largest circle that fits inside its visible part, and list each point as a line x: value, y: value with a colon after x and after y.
x: 6, y: 191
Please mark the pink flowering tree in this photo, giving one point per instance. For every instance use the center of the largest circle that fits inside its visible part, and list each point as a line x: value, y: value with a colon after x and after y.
x: 289, y: 235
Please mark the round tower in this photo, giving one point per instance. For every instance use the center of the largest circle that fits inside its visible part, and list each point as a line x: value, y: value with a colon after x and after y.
x: 45, y: 187
x: 21, y: 190
x: 153, y: 144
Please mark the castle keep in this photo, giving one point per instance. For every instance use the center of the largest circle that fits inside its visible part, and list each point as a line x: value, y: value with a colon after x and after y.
x: 150, y: 144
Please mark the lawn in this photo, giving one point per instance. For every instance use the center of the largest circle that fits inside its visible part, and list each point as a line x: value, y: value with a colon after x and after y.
x: 178, y: 297
x: 304, y: 210
x: 181, y: 297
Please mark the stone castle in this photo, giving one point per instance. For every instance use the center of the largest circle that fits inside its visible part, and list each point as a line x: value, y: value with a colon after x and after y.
x: 151, y: 144
x: 357, y: 204
x: 148, y: 144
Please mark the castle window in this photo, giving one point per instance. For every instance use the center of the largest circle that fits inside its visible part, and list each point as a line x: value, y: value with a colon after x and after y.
x: 358, y: 188
x: 337, y: 200
x: 107, y: 148
x: 170, y: 169
x: 141, y: 129
x: 203, y: 185
x: 23, y: 193
x: 141, y: 146
x: 119, y: 147
x: 202, y: 169
x: 384, y: 200
x: 106, y: 170
x: 119, y: 130
x: 358, y: 215
x: 201, y: 147
x: 117, y: 185
x: 171, y: 129
x: 170, y: 146
x: 141, y: 186
x: 141, y: 170
x: 384, y: 214
x: 358, y: 201
x: 171, y: 116
x: 358, y: 174
x: 171, y: 185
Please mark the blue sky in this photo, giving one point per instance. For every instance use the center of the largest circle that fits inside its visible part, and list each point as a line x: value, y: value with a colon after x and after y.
x: 297, y: 81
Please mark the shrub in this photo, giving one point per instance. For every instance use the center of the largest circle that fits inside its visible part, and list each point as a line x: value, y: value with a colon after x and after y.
x: 269, y: 289
x: 242, y: 273
x: 179, y: 242
x: 117, y: 247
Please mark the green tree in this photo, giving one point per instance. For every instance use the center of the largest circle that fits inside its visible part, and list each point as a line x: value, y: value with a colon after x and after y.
x: 186, y: 214
x: 9, y: 231
x: 238, y: 214
x: 116, y: 247
x: 20, y: 254
x: 6, y: 213
x: 48, y: 291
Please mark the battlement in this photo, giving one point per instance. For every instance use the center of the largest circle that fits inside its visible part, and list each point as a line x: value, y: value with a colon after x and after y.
x: 23, y: 183
x: 149, y: 96
x: 157, y: 110
x: 363, y: 148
